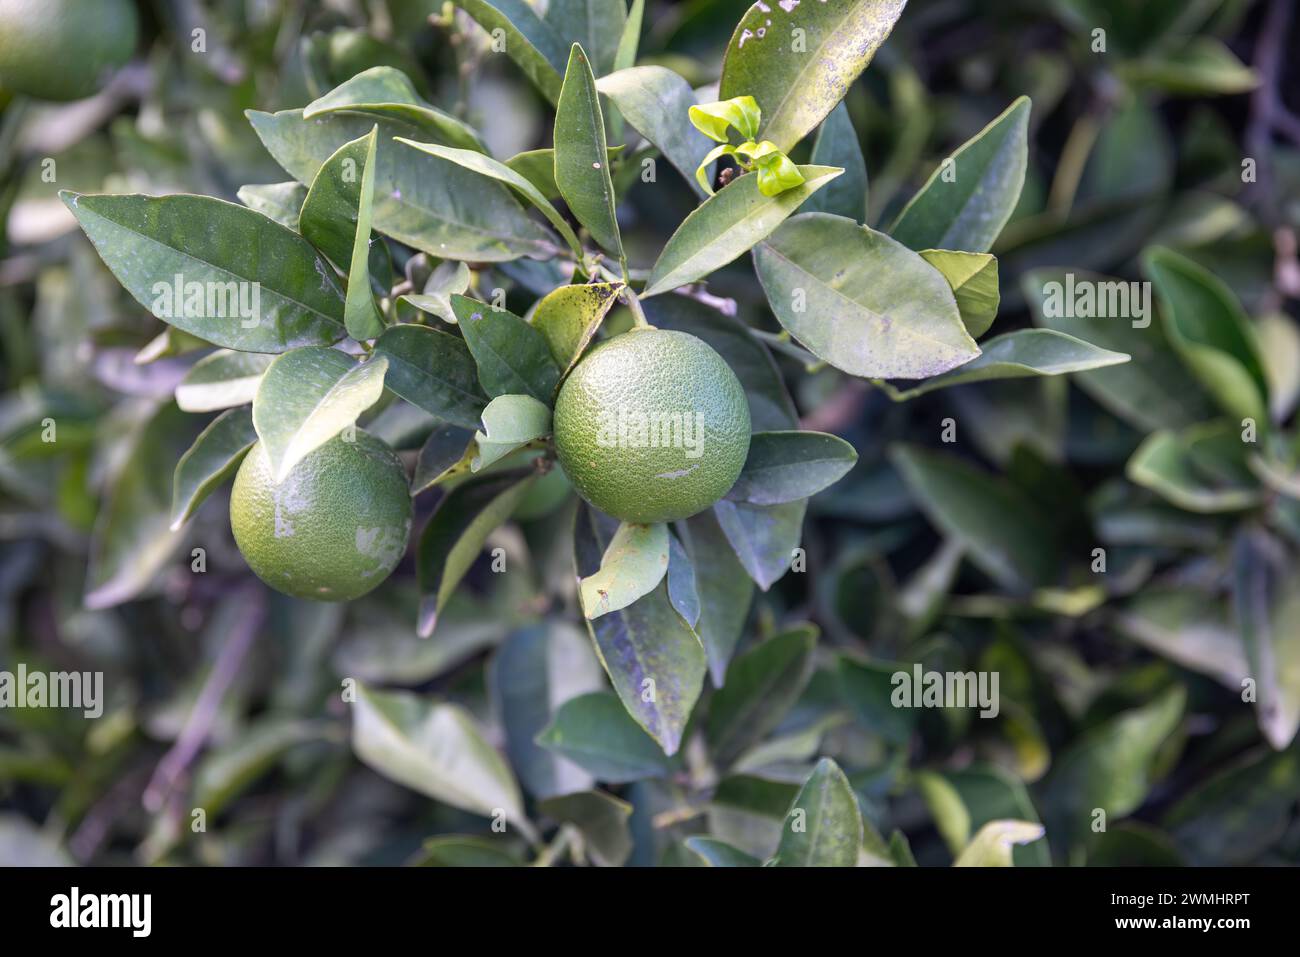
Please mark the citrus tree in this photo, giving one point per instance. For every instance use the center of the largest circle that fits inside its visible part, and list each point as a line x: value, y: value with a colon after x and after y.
x: 537, y: 408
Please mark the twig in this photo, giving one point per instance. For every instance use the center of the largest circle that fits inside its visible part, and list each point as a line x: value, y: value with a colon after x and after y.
x: 1264, y: 103
x: 199, y: 724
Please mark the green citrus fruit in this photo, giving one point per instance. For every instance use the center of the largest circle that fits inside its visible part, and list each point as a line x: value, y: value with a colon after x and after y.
x: 63, y: 49
x: 333, y: 529
x: 652, y: 426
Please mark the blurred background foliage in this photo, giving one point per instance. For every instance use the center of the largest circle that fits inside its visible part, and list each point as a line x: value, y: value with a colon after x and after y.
x: 1119, y: 690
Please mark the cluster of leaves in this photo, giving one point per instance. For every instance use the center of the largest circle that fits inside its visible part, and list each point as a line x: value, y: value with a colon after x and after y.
x: 1123, y: 559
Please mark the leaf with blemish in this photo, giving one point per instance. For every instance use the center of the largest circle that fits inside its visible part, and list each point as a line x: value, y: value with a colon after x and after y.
x: 634, y: 563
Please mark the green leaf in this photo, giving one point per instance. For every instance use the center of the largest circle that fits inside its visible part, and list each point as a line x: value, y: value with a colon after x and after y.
x: 763, y: 537
x: 1266, y: 606
x: 630, y: 40
x: 748, y: 811
x: 307, y: 397
x: 433, y: 371
x: 601, y: 818
x: 1152, y: 391
x: 867, y: 687
x: 212, y: 459
x: 973, y: 278
x: 951, y: 819
x: 447, y: 279
x: 454, y: 537
x: 724, y: 589
x: 466, y: 851
x: 861, y: 301
x: 420, y: 200
x: 654, y: 659
x: 721, y: 854
x: 973, y: 508
x: 1210, y: 330
x: 487, y: 166
x: 581, y: 154
x: 788, y: 466
x: 279, y: 201
x: 532, y: 674
x: 222, y: 380
x: 990, y: 793
x: 762, y: 685
x: 529, y: 40
x: 1168, y: 464
x: 683, y: 589
x: 1109, y: 767
x: 596, y: 24
x: 632, y: 566
x: 387, y: 91
x: 594, y: 732
x: 227, y: 771
x: 569, y: 316
x: 969, y: 198
x: 231, y: 255
x: 132, y: 537
x: 509, y: 421
x: 513, y: 358
x: 727, y: 225
x: 823, y: 827
x: 993, y: 845
x: 837, y: 145
x: 1021, y: 354
x: 538, y: 167
x: 797, y: 88
x: 654, y: 99
x: 434, y: 748
x: 716, y: 120
x: 361, y: 313
x: 1203, y: 66
x: 446, y: 454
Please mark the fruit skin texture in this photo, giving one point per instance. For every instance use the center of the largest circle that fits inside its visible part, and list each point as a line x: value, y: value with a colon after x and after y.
x: 333, y: 529
x: 669, y: 378
x: 63, y: 49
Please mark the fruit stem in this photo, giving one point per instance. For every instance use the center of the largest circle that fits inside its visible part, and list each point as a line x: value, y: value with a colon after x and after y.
x: 638, y: 314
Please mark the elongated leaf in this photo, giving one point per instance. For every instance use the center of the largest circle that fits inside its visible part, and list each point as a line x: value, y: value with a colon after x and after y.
x: 861, y: 301
x: 989, y: 794
x: 1266, y: 606
x: 385, y: 90
x: 788, y: 466
x: 509, y: 421
x: 823, y: 827
x: 455, y: 535
x: 421, y: 200
x: 434, y: 371
x: 229, y: 770
x: 595, y: 24
x: 1201, y: 66
x: 434, y: 748
x: 655, y: 100
x: 762, y: 685
x: 530, y: 41
x: 868, y: 688
x: 798, y: 84
x: 258, y: 286
x: 221, y: 381
x: 447, y: 453
x: 487, y: 166
x: 279, y: 201
x: 1210, y: 330
x: 569, y: 316
x: 654, y: 660
x: 361, y: 313
x: 972, y: 507
x: 1021, y: 354
x: 724, y: 589
x: 212, y: 459
x: 721, y: 854
x: 307, y: 397
x: 594, y: 731
x: 466, y: 851
x: 533, y: 673
x: 513, y: 358
x: 601, y: 818
x: 1152, y: 391
x: 837, y: 145
x: 726, y: 226
x: 630, y: 41
x: 763, y: 537
x: 581, y: 163
x: 1167, y: 464
x: 969, y: 198
x: 538, y: 167
x: 633, y: 565
x: 974, y: 281
x: 993, y: 845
